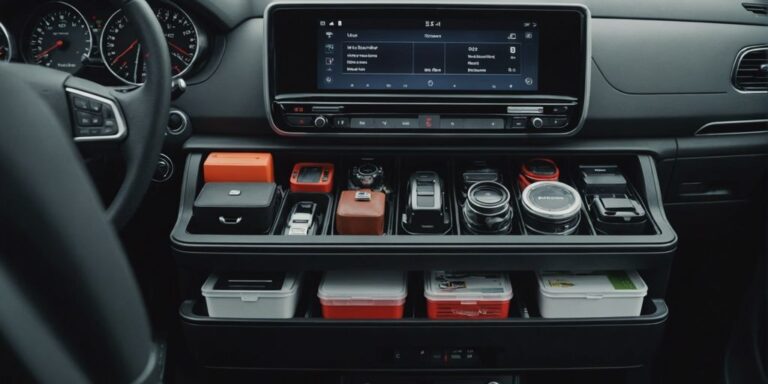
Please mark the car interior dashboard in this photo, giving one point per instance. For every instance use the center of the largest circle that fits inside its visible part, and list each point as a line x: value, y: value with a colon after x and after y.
x: 437, y: 191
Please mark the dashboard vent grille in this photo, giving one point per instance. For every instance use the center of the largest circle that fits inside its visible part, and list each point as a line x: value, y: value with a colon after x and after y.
x: 751, y: 74
x: 760, y: 9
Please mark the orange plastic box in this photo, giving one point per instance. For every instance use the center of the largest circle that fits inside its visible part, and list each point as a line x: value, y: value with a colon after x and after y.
x: 243, y: 167
x: 363, y: 294
x: 312, y: 178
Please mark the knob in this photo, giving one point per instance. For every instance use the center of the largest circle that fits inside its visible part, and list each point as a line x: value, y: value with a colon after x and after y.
x: 163, y: 170
x: 537, y: 122
x: 321, y: 121
x: 177, y: 122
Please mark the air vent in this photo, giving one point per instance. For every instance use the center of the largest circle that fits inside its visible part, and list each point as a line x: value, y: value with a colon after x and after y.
x: 760, y: 9
x: 751, y: 72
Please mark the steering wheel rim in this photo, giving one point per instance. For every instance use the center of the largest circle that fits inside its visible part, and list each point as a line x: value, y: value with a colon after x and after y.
x: 145, y: 110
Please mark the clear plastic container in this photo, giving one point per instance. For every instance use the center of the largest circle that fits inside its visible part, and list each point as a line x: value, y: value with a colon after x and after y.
x: 591, y: 294
x: 363, y: 294
x: 467, y: 295
x: 252, y: 295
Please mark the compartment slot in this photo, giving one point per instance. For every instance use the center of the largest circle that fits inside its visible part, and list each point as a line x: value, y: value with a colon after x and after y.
x: 513, y: 343
x: 324, y: 203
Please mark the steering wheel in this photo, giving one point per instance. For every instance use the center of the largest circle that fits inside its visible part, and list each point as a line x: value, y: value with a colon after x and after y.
x: 72, y: 310
x: 134, y: 120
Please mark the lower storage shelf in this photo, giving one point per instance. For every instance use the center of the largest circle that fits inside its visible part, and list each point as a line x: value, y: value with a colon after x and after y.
x: 308, y: 342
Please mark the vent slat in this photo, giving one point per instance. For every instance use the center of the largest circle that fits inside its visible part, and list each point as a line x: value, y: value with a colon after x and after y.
x: 750, y: 75
x: 759, y: 9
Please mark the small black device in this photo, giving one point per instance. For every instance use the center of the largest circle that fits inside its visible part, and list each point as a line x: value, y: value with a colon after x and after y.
x: 302, y: 219
x: 427, y: 211
x: 235, y: 208
x: 366, y: 175
x: 487, y: 209
x: 618, y: 215
x: 601, y: 179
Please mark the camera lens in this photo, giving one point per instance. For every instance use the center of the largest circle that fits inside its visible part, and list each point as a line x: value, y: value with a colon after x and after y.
x: 551, y: 208
x: 367, y: 175
x: 487, y: 208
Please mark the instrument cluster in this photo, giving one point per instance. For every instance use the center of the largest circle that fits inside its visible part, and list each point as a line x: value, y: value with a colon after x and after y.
x: 93, y: 40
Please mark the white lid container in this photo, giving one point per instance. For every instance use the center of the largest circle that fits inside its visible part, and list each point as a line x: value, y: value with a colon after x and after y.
x: 363, y: 288
x: 590, y: 294
x: 467, y: 286
x: 256, y: 296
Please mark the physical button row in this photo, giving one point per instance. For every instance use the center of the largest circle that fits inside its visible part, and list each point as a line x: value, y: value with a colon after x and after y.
x: 426, y: 121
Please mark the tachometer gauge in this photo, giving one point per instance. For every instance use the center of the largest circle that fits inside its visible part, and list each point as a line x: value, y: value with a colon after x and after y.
x: 5, y: 44
x: 58, y: 38
x: 123, y: 54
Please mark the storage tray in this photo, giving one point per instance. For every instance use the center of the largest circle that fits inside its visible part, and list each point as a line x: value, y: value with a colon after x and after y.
x: 521, y: 341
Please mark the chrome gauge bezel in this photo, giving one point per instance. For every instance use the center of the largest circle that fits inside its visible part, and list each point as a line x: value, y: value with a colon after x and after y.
x: 42, y: 11
x: 159, y: 4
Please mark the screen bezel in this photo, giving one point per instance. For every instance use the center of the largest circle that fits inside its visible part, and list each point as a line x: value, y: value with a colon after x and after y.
x: 292, y: 72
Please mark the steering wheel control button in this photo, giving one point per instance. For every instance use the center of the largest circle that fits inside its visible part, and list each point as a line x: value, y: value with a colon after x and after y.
x: 80, y: 103
x: 95, y: 117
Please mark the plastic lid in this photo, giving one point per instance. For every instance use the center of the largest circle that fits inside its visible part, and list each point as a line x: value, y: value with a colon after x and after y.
x: 592, y: 284
x: 467, y: 286
x: 289, y: 287
x: 363, y: 285
x: 552, y: 200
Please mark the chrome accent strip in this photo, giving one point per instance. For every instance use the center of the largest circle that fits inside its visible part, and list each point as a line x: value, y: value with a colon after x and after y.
x: 10, y: 43
x: 734, y: 122
x: 501, y: 3
x: 184, y: 119
x: 122, y: 129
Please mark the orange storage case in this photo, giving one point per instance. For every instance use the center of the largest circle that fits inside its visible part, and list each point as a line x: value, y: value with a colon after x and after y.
x: 323, y: 185
x: 239, y: 167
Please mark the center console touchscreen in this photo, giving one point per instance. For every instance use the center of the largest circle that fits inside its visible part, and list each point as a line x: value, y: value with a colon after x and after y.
x: 363, y: 69
x: 427, y: 54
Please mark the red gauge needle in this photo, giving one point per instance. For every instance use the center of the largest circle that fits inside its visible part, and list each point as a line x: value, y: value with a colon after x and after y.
x: 123, y: 53
x: 176, y: 47
x: 57, y: 44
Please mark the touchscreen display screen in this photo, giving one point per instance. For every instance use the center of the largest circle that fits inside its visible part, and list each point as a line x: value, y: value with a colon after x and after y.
x: 427, y: 55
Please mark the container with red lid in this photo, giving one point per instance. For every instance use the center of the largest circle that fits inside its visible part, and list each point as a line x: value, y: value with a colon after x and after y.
x: 538, y: 169
x: 363, y: 294
x: 453, y: 295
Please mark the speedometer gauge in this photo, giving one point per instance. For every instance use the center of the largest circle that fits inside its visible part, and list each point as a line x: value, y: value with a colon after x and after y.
x: 123, y: 54
x: 5, y: 44
x: 58, y: 38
